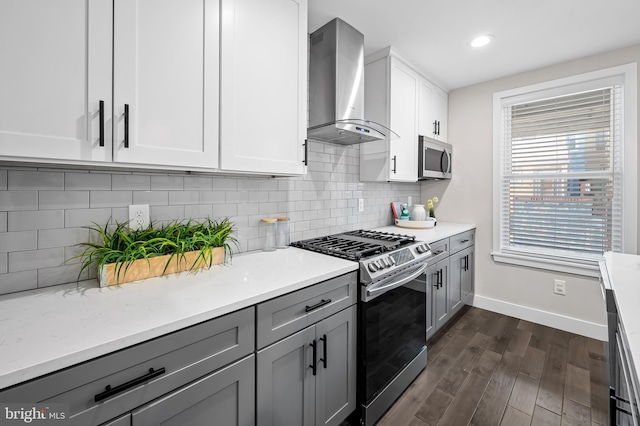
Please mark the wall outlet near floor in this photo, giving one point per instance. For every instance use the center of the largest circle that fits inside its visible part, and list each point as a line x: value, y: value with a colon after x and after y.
x: 360, y: 205
x: 138, y: 216
x: 560, y: 287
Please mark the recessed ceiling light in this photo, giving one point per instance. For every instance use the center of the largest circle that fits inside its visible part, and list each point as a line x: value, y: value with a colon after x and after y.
x: 481, y: 40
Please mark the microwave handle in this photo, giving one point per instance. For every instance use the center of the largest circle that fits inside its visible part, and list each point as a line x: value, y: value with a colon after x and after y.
x: 448, y: 162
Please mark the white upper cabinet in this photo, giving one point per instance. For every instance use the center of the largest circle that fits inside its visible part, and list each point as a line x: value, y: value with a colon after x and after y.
x: 432, y: 120
x: 391, y: 98
x: 166, y: 80
x: 55, y: 68
x: 264, y: 86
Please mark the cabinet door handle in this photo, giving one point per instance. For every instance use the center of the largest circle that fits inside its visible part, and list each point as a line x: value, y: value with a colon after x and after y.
x: 109, y: 391
x: 314, y: 365
x: 394, y: 165
x: 324, y: 350
x: 437, y: 275
x: 435, y: 127
x: 101, y: 115
x: 320, y: 304
x: 306, y: 152
x: 438, y: 127
x: 126, y: 125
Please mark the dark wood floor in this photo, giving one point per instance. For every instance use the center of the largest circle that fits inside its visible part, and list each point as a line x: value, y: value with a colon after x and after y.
x: 491, y: 369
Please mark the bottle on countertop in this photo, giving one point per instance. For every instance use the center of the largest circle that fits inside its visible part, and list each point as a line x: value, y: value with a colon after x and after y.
x: 404, y: 212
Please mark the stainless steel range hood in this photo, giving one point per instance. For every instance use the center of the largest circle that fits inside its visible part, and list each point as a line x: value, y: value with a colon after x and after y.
x: 336, y: 87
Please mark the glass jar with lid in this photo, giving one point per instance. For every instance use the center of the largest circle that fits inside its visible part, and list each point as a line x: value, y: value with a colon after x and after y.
x: 283, y: 233
x: 268, y: 233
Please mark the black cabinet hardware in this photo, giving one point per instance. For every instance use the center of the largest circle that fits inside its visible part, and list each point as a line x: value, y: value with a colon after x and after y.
x: 438, y: 128
x: 435, y: 127
x: 109, y: 391
x: 464, y: 241
x: 320, y: 304
x: 101, y: 116
x: 314, y: 365
x: 324, y: 350
x: 394, y: 165
x: 126, y: 125
x: 306, y: 152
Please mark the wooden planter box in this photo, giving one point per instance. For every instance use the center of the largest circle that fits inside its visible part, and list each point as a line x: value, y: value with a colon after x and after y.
x: 154, y: 267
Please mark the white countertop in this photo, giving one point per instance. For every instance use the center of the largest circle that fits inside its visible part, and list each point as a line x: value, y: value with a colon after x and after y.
x: 44, y: 330
x: 624, y: 278
x: 440, y: 231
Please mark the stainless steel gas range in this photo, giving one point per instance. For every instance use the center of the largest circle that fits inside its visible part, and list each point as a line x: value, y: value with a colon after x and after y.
x: 391, y: 311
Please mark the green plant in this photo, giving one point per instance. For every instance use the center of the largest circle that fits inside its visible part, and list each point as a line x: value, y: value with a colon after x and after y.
x: 430, y: 205
x: 123, y: 245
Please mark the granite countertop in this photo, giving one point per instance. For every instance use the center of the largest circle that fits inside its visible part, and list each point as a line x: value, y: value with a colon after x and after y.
x: 48, y: 329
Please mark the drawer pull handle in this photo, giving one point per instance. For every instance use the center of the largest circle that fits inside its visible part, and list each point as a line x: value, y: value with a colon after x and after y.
x: 324, y: 350
x: 317, y: 305
x: 101, y: 117
x: 438, y: 252
x: 464, y: 241
x: 313, y: 366
x: 109, y: 391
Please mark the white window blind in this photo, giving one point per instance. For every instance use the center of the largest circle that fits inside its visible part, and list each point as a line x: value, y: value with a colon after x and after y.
x: 561, y: 175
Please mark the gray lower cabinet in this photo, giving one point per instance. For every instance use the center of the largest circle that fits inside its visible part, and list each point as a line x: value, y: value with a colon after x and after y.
x: 450, y: 279
x: 309, y: 377
x: 104, y: 388
x: 438, y: 283
x: 461, y: 279
x: 223, y: 398
x: 120, y: 421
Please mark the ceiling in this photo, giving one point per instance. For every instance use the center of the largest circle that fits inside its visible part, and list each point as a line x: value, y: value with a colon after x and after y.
x: 435, y: 34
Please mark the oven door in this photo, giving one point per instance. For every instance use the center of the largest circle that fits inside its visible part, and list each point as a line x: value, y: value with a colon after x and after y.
x: 393, y: 329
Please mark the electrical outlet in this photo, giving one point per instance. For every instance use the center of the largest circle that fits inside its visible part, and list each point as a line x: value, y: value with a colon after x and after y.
x: 409, y: 201
x: 560, y: 287
x: 360, y: 205
x: 139, y: 216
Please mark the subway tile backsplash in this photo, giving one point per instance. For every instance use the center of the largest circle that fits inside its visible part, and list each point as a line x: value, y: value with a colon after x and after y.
x: 45, y: 212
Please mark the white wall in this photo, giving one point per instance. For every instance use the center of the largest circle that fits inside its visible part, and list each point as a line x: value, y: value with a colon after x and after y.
x: 518, y: 291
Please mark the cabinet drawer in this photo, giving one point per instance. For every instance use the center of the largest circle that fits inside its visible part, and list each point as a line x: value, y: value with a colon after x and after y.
x: 462, y: 240
x: 176, y: 359
x: 439, y: 251
x: 285, y: 315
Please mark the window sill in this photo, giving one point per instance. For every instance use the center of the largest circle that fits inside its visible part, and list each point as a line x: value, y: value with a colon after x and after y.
x: 586, y: 268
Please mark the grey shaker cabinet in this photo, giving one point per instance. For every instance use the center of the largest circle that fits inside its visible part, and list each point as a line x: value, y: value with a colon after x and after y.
x: 450, y: 279
x: 290, y: 392
x: 224, y: 398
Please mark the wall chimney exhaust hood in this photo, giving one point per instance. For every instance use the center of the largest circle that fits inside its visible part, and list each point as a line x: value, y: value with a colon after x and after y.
x: 336, y: 87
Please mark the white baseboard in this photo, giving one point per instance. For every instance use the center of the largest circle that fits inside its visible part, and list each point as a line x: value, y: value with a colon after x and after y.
x: 572, y: 325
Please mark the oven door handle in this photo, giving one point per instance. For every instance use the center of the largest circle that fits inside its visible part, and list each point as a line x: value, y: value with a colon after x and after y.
x: 383, y: 287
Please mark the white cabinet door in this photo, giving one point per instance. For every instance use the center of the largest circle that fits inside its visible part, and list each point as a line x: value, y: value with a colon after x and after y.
x: 426, y: 114
x: 55, y: 68
x: 441, y: 110
x: 432, y: 120
x: 166, y: 55
x: 404, y: 112
x: 264, y: 86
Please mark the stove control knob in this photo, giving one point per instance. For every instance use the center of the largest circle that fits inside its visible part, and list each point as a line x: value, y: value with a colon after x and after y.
x: 373, y: 267
x: 422, y: 248
x: 388, y: 262
x: 378, y: 264
x: 391, y: 260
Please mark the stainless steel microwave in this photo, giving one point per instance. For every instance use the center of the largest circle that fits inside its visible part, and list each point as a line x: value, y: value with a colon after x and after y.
x: 434, y: 159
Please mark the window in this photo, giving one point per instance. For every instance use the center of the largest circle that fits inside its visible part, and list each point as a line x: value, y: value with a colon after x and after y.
x: 560, y: 177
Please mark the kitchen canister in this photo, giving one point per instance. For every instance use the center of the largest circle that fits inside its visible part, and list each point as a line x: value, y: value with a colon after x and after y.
x: 268, y: 233
x: 283, y: 233
x: 418, y: 212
